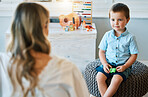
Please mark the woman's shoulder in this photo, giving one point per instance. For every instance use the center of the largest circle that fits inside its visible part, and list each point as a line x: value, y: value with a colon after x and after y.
x: 4, y: 55
x: 4, y: 62
x: 58, y: 65
x: 4, y: 58
x: 61, y: 62
x: 57, y: 71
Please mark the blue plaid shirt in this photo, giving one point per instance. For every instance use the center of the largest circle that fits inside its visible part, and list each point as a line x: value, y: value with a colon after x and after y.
x: 118, y: 49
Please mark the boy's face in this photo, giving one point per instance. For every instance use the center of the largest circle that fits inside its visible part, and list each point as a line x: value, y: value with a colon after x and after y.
x: 118, y: 21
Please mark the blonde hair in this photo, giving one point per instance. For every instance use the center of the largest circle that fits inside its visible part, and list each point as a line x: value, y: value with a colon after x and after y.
x: 27, y: 34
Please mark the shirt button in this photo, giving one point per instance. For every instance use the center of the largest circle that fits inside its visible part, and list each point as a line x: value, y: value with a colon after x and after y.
x: 117, y: 39
x: 116, y: 61
x: 116, y: 47
x: 116, y: 55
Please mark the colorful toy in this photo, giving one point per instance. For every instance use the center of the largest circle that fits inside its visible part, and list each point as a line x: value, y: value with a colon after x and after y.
x: 65, y: 19
x: 89, y: 28
x: 83, y: 25
x: 112, y: 70
x: 66, y: 28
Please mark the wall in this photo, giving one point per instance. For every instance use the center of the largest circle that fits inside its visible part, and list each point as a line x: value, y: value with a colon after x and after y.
x: 137, y: 26
x: 100, y: 8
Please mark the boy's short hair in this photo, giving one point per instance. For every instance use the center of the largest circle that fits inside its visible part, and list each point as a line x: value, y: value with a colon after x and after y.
x: 120, y: 7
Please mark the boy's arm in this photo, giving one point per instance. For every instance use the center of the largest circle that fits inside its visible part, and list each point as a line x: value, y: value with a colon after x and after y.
x: 102, y: 57
x: 129, y: 63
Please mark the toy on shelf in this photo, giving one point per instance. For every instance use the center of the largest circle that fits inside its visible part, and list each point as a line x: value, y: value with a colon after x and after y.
x: 66, y: 28
x: 84, y: 9
x: 89, y: 28
x: 83, y: 25
x: 71, y: 26
x: 112, y: 70
x: 65, y: 20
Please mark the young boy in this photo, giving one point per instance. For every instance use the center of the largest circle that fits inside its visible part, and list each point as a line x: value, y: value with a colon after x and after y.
x: 118, y: 50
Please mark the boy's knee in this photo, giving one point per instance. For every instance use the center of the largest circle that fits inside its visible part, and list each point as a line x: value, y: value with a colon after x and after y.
x: 100, y: 77
x: 117, y: 78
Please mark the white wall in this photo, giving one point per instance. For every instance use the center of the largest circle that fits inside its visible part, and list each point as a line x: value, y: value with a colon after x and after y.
x: 100, y: 8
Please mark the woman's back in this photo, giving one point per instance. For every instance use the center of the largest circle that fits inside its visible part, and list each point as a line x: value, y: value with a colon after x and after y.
x: 60, y: 78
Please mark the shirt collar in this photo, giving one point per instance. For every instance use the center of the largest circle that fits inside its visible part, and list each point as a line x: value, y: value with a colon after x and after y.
x: 122, y: 34
x: 125, y: 32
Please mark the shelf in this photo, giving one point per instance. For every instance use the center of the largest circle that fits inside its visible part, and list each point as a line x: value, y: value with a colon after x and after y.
x: 84, y: 9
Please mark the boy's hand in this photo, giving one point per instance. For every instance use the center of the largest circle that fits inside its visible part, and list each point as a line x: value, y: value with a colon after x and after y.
x: 120, y: 68
x: 106, y: 68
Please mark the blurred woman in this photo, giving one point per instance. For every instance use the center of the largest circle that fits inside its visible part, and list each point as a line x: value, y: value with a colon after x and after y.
x: 32, y: 70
